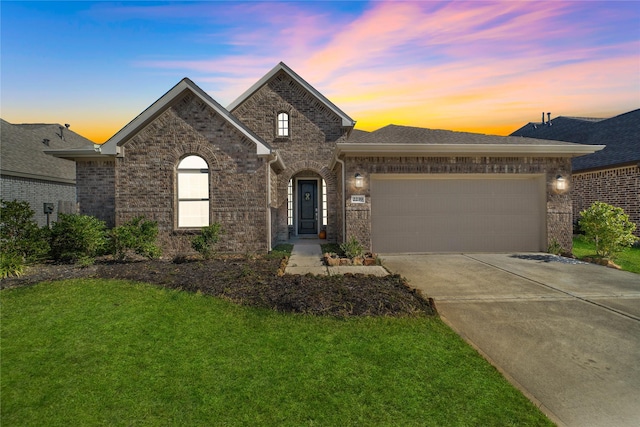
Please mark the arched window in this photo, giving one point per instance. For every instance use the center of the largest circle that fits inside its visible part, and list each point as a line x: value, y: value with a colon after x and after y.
x: 193, y: 192
x: 283, y: 124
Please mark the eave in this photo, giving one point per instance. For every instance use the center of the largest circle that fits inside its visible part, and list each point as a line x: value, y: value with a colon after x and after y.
x: 79, y: 153
x: 396, y: 150
x: 347, y: 149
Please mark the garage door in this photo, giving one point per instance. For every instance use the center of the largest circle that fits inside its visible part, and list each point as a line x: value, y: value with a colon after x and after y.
x: 457, y: 213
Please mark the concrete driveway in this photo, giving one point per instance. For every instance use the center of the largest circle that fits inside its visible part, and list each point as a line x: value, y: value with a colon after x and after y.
x: 567, y: 335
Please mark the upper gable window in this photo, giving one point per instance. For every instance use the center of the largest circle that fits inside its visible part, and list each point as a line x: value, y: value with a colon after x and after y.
x: 283, y: 125
x: 193, y: 192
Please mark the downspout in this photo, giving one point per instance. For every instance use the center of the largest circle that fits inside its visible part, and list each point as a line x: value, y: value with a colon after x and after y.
x: 344, y: 202
x: 269, y: 163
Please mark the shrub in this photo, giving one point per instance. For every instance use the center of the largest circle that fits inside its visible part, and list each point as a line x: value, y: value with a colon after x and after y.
x: 608, y: 227
x: 78, y: 237
x: 19, y: 233
x: 138, y: 235
x: 555, y: 247
x: 11, y: 264
x: 205, y: 242
x: 352, y: 248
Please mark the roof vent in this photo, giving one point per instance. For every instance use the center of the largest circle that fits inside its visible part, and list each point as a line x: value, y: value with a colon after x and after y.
x: 45, y: 142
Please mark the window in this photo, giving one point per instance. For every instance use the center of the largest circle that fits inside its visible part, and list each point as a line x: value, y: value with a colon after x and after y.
x: 193, y: 192
x: 290, y: 202
x: 283, y: 124
x: 325, y: 211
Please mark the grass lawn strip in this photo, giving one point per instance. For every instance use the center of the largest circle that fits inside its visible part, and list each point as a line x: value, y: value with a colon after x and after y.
x: 628, y: 260
x: 109, y: 352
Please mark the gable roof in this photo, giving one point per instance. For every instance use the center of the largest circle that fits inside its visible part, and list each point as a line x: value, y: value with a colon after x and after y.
x: 346, y: 120
x: 394, y: 140
x: 620, y: 134
x: 23, y: 151
x: 111, y: 147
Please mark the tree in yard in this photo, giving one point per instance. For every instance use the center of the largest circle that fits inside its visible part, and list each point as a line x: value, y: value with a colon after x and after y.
x: 608, y: 227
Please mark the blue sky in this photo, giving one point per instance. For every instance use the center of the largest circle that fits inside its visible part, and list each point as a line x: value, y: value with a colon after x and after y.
x: 475, y: 66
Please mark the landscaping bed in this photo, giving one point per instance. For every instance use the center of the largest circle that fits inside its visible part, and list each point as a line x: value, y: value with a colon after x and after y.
x: 253, y: 281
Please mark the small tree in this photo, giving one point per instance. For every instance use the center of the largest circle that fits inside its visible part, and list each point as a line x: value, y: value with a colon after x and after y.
x: 78, y: 238
x: 205, y: 242
x: 138, y: 235
x: 608, y: 227
x: 19, y: 233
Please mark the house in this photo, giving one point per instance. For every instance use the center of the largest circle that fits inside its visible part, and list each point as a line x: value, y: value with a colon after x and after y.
x: 611, y: 175
x: 27, y: 174
x: 282, y: 161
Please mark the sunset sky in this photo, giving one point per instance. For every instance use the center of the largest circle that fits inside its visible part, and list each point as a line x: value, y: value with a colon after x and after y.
x: 476, y: 66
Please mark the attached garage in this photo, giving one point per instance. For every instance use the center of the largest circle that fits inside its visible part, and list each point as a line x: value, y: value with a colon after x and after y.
x: 457, y: 213
x: 416, y: 190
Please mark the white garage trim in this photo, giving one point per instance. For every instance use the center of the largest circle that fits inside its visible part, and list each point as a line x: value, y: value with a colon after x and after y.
x: 422, y: 213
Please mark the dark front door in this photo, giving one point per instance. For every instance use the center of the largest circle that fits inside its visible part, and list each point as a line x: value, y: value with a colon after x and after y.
x: 308, y: 207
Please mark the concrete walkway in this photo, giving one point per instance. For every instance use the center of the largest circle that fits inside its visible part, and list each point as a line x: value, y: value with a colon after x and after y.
x: 306, y: 258
x: 567, y: 334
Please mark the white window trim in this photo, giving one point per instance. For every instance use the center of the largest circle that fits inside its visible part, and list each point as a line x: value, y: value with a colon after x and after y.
x: 287, y: 129
x: 179, y: 200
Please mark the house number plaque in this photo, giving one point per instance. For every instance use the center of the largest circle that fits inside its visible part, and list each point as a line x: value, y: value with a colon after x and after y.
x: 357, y: 199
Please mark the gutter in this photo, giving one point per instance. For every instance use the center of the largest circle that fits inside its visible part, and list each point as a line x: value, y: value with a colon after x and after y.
x: 400, y: 149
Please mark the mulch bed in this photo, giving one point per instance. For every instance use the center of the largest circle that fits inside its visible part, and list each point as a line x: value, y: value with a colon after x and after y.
x: 254, y: 281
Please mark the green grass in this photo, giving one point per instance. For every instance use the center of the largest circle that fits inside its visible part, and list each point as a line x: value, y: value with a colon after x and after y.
x: 628, y: 260
x: 104, y: 352
x: 332, y: 248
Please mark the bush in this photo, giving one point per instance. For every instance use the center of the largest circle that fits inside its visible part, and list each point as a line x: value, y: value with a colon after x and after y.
x: 11, y: 264
x: 352, y: 248
x: 78, y: 238
x: 19, y: 233
x: 205, y: 242
x: 138, y: 235
x: 608, y: 227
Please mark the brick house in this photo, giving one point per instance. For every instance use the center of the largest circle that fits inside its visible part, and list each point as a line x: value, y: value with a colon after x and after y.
x: 27, y: 174
x: 283, y: 161
x: 611, y: 175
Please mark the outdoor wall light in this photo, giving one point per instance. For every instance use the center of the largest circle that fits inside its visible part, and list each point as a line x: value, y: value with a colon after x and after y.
x: 359, y: 180
x: 561, y: 183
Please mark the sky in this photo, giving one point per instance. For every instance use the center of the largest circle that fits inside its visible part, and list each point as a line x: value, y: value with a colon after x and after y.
x: 475, y: 66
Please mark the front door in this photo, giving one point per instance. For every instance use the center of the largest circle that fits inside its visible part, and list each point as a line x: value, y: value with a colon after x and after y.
x: 308, y: 207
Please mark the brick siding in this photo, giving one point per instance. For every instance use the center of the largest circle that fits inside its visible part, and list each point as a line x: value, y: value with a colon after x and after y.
x: 314, y: 131
x: 616, y: 186
x: 559, y: 213
x: 96, y: 189
x: 37, y: 192
x: 146, y: 177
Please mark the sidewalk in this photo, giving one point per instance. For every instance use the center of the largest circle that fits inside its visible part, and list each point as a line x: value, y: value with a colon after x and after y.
x: 306, y: 257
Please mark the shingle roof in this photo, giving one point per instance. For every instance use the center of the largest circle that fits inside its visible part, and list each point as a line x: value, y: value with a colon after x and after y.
x: 394, y: 134
x: 22, y: 151
x: 621, y: 135
x: 394, y: 140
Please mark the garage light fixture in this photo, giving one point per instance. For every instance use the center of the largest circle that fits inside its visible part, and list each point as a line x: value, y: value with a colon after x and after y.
x: 561, y: 183
x: 359, y: 180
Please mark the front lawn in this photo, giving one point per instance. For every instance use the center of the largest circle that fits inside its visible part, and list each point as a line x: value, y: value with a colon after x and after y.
x: 629, y: 259
x: 109, y: 352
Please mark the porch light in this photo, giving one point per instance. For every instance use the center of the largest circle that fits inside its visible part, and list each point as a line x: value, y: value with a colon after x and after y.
x: 359, y: 180
x: 561, y: 183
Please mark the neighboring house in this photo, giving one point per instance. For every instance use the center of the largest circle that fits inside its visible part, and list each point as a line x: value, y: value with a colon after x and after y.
x: 282, y: 160
x: 28, y: 174
x: 611, y: 175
